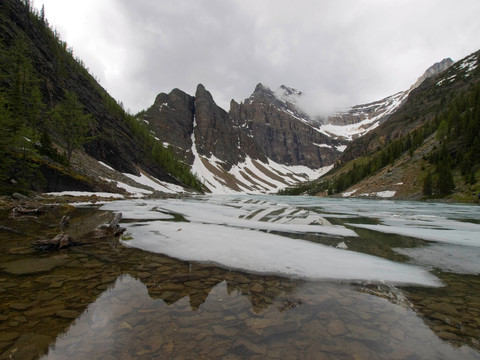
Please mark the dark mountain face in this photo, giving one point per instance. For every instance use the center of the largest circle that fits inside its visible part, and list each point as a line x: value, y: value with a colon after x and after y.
x: 263, y: 126
x: 177, y: 118
x: 281, y: 132
x: 57, y: 73
x: 172, y: 117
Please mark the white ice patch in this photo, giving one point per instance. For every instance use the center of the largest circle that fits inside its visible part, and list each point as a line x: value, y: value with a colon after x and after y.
x: 86, y: 193
x: 138, y: 210
x: 458, y: 259
x: 236, y: 233
x: 267, y: 253
x: 451, y: 236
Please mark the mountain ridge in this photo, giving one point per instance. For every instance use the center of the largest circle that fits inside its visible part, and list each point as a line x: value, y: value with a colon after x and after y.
x: 425, y: 149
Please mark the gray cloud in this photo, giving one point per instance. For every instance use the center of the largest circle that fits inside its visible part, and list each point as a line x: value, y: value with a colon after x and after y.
x: 339, y: 53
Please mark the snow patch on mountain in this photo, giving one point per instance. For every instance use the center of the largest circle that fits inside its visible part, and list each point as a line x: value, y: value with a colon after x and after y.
x: 361, y: 119
x: 250, y: 176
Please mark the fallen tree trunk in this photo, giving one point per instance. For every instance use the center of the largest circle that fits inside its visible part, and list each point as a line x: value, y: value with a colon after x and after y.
x: 58, y: 242
x: 20, y: 211
x: 112, y: 229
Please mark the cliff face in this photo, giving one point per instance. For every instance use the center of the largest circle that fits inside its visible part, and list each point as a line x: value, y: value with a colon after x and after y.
x: 177, y: 118
x: 215, y: 132
x: 172, y: 116
x: 281, y: 132
x: 251, y: 147
x: 263, y: 126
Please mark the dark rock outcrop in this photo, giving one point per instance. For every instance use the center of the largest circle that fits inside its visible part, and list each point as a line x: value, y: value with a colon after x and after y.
x: 281, y: 132
x: 215, y: 132
x: 263, y: 126
x: 171, y: 119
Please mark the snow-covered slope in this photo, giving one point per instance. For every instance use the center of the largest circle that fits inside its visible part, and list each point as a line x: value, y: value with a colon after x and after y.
x: 360, y: 119
x: 250, y: 176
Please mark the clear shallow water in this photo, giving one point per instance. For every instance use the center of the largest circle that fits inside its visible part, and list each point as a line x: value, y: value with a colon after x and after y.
x: 110, y: 299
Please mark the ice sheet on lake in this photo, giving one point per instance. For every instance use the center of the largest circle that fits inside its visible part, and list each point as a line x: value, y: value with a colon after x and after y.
x: 452, y: 258
x: 235, y: 215
x: 235, y: 232
x: 452, y: 229
x: 452, y: 236
x: 268, y: 253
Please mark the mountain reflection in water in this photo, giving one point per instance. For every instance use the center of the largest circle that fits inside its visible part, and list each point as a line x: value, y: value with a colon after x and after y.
x: 104, y: 300
x: 238, y: 317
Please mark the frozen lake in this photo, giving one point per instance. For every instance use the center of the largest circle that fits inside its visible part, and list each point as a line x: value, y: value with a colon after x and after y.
x: 246, y: 277
x: 265, y: 234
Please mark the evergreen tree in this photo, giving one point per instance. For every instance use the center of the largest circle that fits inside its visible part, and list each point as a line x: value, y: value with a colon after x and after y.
x: 71, y: 124
x: 428, y: 185
x: 444, y: 184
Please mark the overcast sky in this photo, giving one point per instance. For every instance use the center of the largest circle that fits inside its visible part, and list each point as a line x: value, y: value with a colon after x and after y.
x: 338, y: 52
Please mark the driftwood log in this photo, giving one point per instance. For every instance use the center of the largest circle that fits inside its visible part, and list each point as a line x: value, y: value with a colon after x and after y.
x: 111, y: 229
x: 65, y: 222
x: 63, y: 240
x: 58, y: 242
x: 20, y: 211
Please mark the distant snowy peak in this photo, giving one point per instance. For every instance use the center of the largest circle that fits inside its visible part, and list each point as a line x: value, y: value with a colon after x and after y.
x: 433, y: 70
x: 283, y: 99
x: 288, y: 94
x: 360, y: 119
x: 461, y: 69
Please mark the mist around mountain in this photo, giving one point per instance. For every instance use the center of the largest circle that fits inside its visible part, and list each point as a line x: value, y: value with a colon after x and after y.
x: 427, y: 148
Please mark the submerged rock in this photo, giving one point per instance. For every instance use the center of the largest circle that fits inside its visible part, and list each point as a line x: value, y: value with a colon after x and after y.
x: 35, y: 265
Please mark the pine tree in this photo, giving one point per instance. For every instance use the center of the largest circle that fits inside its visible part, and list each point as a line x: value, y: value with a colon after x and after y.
x: 445, y: 183
x: 428, y: 185
x: 71, y: 124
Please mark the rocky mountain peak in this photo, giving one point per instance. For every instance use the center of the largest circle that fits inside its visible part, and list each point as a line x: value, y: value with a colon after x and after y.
x: 201, y: 92
x: 260, y: 88
x: 433, y: 70
x: 287, y: 91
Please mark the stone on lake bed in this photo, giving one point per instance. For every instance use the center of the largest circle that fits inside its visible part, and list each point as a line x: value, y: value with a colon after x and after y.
x: 67, y: 314
x: 35, y: 265
x: 19, y: 306
x: 336, y: 327
x: 22, y: 250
